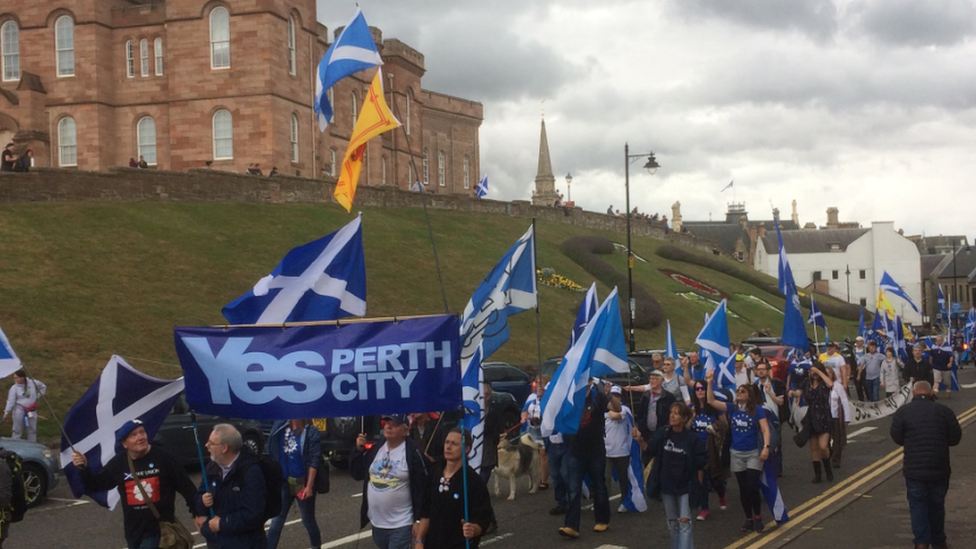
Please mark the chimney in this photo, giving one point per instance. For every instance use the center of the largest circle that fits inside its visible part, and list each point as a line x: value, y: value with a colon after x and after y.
x: 795, y: 216
x: 832, y: 215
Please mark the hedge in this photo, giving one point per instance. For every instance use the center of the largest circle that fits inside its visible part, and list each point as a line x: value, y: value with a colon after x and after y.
x: 584, y: 250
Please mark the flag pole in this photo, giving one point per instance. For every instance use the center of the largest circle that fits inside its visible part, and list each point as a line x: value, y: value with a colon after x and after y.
x: 203, y: 466
x: 538, y: 322
x: 464, y: 481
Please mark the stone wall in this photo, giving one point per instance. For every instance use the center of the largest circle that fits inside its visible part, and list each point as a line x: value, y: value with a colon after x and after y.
x: 196, y: 185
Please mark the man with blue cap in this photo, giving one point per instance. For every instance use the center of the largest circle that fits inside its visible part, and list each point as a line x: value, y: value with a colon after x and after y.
x: 161, y: 477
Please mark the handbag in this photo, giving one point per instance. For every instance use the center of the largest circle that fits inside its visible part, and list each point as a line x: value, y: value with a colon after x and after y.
x: 322, y: 477
x: 172, y: 534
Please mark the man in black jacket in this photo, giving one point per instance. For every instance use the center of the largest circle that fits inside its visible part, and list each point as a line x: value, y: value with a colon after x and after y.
x: 649, y: 417
x: 394, y: 476
x: 917, y: 368
x: 926, y: 429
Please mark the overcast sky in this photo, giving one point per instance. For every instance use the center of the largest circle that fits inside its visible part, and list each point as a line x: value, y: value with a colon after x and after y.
x: 867, y: 105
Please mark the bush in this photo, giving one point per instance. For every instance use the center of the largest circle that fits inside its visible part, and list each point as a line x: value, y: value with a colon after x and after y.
x: 828, y: 305
x: 584, y: 250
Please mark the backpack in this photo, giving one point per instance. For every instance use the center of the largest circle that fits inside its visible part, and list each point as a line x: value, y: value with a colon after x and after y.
x: 273, y: 481
x: 13, y: 495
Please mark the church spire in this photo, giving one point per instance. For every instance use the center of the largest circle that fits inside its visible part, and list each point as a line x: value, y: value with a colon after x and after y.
x: 545, y: 182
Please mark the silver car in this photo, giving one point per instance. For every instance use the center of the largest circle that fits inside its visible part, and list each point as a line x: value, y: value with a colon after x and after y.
x: 41, y: 467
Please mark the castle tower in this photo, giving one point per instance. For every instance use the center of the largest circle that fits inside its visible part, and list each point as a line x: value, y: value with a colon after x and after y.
x: 795, y: 217
x: 545, y: 183
x: 676, y: 217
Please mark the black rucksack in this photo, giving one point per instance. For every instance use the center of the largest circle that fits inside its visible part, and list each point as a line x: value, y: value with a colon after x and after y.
x: 16, y: 499
x: 273, y: 481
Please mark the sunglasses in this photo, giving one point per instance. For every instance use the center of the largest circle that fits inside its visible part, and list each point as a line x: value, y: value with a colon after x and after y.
x: 699, y: 388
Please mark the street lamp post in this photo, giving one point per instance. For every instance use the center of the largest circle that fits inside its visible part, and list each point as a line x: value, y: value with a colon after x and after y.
x: 651, y: 168
x: 569, y: 191
x: 848, y: 273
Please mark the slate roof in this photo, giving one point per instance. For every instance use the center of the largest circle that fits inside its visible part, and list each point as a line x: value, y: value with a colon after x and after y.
x: 813, y: 241
x: 965, y: 264
x: 930, y: 263
x: 725, y: 235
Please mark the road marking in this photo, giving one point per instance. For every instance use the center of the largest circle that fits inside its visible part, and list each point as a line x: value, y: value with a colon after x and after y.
x: 359, y: 495
x: 347, y: 539
x: 860, y: 431
x: 969, y: 386
x: 499, y: 537
x: 70, y: 500
x: 590, y: 506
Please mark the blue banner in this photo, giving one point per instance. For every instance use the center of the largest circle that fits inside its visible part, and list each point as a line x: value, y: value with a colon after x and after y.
x: 323, y: 370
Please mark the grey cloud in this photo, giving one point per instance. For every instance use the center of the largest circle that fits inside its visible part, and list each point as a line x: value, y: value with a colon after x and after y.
x: 914, y: 23
x: 814, y: 18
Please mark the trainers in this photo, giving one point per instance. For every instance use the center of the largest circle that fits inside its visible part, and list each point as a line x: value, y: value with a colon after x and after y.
x: 568, y: 532
x: 723, y: 504
x: 703, y: 515
x: 601, y: 527
x: 747, y: 526
x: 758, y: 525
x: 557, y: 510
x: 622, y: 508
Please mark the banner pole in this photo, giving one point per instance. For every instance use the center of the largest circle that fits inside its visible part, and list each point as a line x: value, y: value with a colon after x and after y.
x: 538, y: 321
x: 464, y: 481
x: 203, y: 467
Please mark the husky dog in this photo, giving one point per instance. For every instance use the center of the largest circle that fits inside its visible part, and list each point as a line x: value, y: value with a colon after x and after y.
x: 517, y: 458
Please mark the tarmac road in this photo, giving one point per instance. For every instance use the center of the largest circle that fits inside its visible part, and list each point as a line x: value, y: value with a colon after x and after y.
x: 865, y: 507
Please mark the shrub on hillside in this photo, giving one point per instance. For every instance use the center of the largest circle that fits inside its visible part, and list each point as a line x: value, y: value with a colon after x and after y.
x: 584, y: 251
x: 828, y: 305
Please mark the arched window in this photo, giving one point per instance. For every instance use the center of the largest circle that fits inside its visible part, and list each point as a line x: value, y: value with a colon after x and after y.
x: 409, y: 101
x: 146, y: 137
x: 383, y: 167
x: 355, y: 109
x: 441, y: 174
x: 158, y: 52
x: 67, y: 142
x: 64, y: 38
x: 294, y: 137
x: 332, y: 162
x: 219, y: 38
x: 223, y: 135
x: 144, y: 56
x: 467, y: 172
x: 426, y: 167
x: 130, y: 59
x: 292, y: 61
x: 10, y: 48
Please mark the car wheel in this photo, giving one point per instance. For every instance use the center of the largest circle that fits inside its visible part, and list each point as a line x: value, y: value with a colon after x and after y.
x: 253, y: 443
x: 35, y: 483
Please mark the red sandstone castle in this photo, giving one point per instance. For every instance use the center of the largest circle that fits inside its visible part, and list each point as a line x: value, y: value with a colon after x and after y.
x: 89, y: 84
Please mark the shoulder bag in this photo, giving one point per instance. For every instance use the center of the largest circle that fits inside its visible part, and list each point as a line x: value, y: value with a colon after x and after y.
x: 172, y: 535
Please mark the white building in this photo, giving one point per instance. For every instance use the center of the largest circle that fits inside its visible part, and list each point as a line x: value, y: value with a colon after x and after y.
x: 821, y: 258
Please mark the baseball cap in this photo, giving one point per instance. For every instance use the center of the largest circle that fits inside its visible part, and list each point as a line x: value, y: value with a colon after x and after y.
x: 402, y: 419
x: 615, y: 390
x: 126, y: 430
x: 832, y: 344
x: 656, y: 373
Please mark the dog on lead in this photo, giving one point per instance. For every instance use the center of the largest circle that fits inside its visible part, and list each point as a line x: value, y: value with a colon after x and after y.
x: 517, y: 458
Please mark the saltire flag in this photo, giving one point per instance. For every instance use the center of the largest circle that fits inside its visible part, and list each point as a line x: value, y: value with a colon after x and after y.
x: 374, y: 118
x: 714, y: 338
x: 671, y: 351
x: 889, y: 284
x: 861, y: 329
x: 899, y: 339
x: 943, y: 313
x: 633, y: 500
x: 586, y: 312
x: 509, y: 289
x: 970, y: 326
x: 877, y: 330
x: 322, y: 280
x: 794, y: 331
x: 729, y: 186
x: 885, y: 305
x: 599, y: 351
x: 771, y: 493
x: 946, y: 347
x: 9, y: 363
x: 816, y: 317
x: 353, y: 51
x: 481, y: 190
x: 119, y: 394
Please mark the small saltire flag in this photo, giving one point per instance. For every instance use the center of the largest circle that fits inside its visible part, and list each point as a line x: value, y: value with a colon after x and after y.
x: 353, y: 51
x: 586, y: 312
x: 729, y: 186
x: 509, y: 289
x: 374, y: 118
x: 714, y: 338
x: 816, y: 317
x: 671, y: 350
x: 482, y: 189
x: 119, y: 394
x: 889, y: 284
x: 794, y: 331
x: 771, y: 493
x: 599, y: 351
x: 899, y: 339
x: 9, y: 363
x: 321, y: 280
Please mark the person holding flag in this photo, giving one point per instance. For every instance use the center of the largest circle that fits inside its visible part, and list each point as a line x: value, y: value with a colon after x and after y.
x: 712, y: 432
x: 816, y: 392
x: 940, y: 355
x: 617, y: 440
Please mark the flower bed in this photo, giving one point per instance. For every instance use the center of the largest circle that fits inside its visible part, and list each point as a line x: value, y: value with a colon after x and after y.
x: 548, y: 277
x: 696, y: 285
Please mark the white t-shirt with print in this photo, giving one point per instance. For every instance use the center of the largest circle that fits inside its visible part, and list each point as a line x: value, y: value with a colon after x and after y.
x: 617, y: 435
x: 388, y: 489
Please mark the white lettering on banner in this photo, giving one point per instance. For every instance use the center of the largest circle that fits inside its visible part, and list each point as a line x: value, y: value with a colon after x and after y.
x: 867, y: 411
x: 299, y: 377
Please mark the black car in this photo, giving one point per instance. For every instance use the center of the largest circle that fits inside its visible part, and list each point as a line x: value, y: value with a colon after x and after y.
x: 637, y: 376
x: 761, y: 342
x: 176, y: 433
x: 504, y: 377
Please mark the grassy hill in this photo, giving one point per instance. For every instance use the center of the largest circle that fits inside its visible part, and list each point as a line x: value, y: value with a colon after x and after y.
x: 80, y: 282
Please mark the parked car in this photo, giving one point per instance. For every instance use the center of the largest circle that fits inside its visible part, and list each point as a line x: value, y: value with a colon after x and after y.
x: 636, y: 376
x: 761, y: 341
x: 41, y: 468
x: 508, y: 379
x: 176, y: 433
x: 777, y: 357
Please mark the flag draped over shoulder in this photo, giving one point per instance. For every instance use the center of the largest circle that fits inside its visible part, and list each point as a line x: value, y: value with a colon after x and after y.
x: 794, y: 331
x: 353, y: 51
x: 9, y: 363
x: 888, y: 284
x: 714, y: 339
x: 599, y: 351
x: 321, y: 280
x: 119, y: 394
x: 509, y: 289
x: 374, y: 118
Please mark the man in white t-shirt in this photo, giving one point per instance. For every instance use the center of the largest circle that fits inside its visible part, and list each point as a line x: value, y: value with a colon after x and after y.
x: 394, y: 476
x: 838, y: 364
x: 617, y: 440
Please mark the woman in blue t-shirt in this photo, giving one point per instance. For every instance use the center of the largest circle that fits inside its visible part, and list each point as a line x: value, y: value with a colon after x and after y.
x: 750, y: 446
x: 712, y: 432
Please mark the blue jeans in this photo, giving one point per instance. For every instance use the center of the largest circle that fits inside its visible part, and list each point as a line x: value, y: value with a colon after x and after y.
x: 393, y: 538
x: 307, y: 507
x: 151, y: 541
x: 576, y: 468
x: 707, y: 485
x: 678, y: 511
x: 926, y: 504
x: 558, y: 474
x: 873, y: 388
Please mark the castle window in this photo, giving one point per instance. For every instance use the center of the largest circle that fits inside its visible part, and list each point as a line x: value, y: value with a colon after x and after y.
x: 10, y: 46
x: 332, y: 162
x: 219, y: 39
x: 383, y: 167
x: 426, y: 167
x: 294, y: 138
x: 467, y: 172
x: 223, y: 135
x: 130, y: 59
x: 146, y: 136
x: 67, y: 142
x: 144, y: 56
x: 355, y: 109
x: 64, y: 38
x: 409, y: 101
x: 158, y: 52
x: 441, y: 174
x: 292, y: 61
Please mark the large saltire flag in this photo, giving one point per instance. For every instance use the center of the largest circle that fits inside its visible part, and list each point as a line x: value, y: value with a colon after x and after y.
x: 633, y: 500
x: 794, y: 331
x: 509, y: 289
x: 888, y: 284
x: 374, y: 118
x: 599, y: 351
x: 353, y: 51
x: 9, y: 363
x: 771, y: 493
x: 714, y: 338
